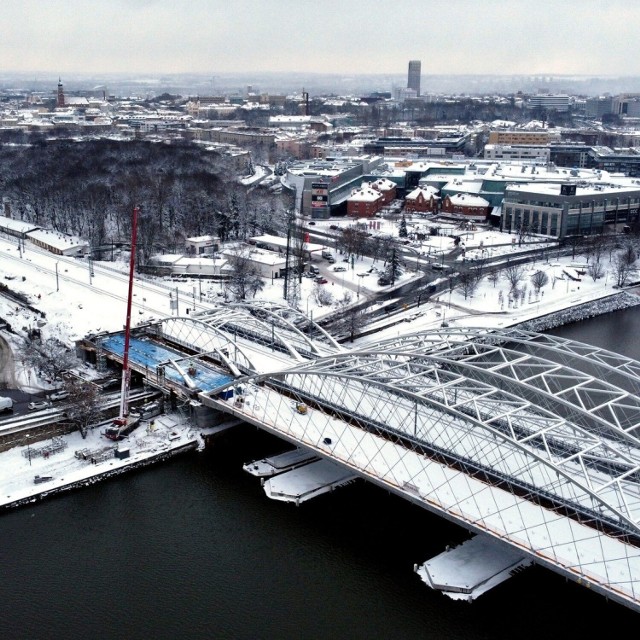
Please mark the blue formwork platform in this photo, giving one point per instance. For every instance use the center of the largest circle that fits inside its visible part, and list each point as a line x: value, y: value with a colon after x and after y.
x: 147, y: 354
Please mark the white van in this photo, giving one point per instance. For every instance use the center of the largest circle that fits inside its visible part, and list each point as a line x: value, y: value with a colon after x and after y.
x: 6, y: 404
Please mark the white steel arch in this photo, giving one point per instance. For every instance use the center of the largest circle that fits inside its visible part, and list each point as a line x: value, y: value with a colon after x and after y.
x: 193, y: 333
x: 283, y: 313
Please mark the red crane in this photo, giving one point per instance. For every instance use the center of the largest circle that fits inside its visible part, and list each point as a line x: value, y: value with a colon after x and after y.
x: 122, y: 425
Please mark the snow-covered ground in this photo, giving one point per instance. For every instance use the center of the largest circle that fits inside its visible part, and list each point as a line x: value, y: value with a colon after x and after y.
x: 21, y: 464
x: 77, y: 303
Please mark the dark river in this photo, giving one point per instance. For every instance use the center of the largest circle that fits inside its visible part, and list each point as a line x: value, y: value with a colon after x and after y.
x: 193, y: 549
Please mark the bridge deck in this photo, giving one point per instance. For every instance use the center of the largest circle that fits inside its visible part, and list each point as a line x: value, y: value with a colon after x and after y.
x: 146, y: 354
x: 607, y: 564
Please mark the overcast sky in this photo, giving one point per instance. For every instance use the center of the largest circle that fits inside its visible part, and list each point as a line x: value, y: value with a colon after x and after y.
x: 591, y: 37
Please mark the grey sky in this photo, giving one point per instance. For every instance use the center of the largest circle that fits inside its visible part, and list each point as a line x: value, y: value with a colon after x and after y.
x: 592, y: 37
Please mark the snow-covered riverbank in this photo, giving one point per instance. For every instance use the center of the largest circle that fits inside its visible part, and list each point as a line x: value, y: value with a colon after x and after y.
x: 623, y: 300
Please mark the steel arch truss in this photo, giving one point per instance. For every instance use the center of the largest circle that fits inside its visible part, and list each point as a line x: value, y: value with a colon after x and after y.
x: 580, y: 424
x: 274, y: 326
x: 207, y: 339
x: 432, y: 449
x: 494, y: 429
x: 304, y: 333
x: 558, y: 433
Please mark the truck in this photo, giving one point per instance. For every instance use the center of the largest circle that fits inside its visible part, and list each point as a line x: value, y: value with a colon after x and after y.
x: 6, y: 404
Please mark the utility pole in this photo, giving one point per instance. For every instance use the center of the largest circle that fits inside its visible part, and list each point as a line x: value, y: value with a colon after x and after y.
x: 286, y: 259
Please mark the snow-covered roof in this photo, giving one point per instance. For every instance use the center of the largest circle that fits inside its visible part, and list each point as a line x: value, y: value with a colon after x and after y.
x: 466, y: 200
x: 382, y: 184
x: 365, y: 194
x: 427, y: 192
x: 17, y: 226
x: 277, y: 241
x: 198, y: 239
x: 262, y: 256
x: 553, y: 188
x: 57, y: 240
x: 464, y: 186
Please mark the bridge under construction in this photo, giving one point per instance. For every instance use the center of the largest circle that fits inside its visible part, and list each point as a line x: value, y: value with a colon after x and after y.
x: 529, y: 441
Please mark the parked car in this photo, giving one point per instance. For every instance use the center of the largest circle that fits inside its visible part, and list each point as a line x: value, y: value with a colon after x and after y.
x: 59, y: 395
x: 331, y: 259
x: 339, y: 267
x: 333, y: 226
x: 38, y: 404
x: 321, y: 280
x: 311, y: 222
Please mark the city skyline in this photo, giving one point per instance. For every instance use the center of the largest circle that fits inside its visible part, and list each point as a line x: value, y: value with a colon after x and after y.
x: 209, y: 36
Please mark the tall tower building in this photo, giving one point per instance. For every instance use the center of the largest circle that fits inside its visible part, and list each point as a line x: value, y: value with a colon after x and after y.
x: 60, y: 99
x: 413, y: 79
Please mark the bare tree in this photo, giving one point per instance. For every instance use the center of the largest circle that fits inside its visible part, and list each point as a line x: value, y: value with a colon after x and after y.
x: 468, y: 280
x: 353, y: 318
x: 523, y: 232
x: 596, y: 270
x: 353, y: 241
x: 539, y: 279
x: 494, y: 276
x: 514, y: 275
x: 49, y: 358
x: 623, y: 264
x: 322, y: 295
x: 246, y: 279
x: 85, y: 409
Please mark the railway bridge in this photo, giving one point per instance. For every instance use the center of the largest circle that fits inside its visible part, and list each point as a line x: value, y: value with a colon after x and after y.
x: 530, y: 440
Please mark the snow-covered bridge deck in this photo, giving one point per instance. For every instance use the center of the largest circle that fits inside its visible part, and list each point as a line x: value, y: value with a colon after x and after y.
x: 494, y: 431
x: 527, y: 438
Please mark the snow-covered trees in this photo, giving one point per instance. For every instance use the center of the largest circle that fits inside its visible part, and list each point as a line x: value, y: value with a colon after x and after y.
x: 539, y: 279
x: 623, y: 264
x: 402, y: 231
x: 49, y: 358
x: 514, y: 275
x: 245, y: 280
x: 85, y: 409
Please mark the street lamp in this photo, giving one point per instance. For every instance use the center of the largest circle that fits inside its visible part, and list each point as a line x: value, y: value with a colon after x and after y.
x: 57, y: 282
x: 28, y: 449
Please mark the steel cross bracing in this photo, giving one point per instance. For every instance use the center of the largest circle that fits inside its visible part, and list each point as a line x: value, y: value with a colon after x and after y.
x: 442, y: 460
x: 206, y: 338
x: 313, y: 336
x: 273, y: 325
x: 509, y: 436
x: 602, y: 417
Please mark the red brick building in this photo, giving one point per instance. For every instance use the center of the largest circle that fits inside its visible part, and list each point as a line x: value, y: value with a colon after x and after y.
x: 463, y: 205
x: 422, y: 200
x: 387, y: 188
x: 364, y: 202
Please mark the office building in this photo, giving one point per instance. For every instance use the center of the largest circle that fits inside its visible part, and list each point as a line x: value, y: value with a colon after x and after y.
x: 413, y: 79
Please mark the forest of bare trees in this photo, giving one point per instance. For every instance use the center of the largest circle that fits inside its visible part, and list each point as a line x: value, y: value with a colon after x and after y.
x: 89, y: 188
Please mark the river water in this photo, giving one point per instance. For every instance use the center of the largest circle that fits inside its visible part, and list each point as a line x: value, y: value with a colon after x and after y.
x: 193, y: 549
